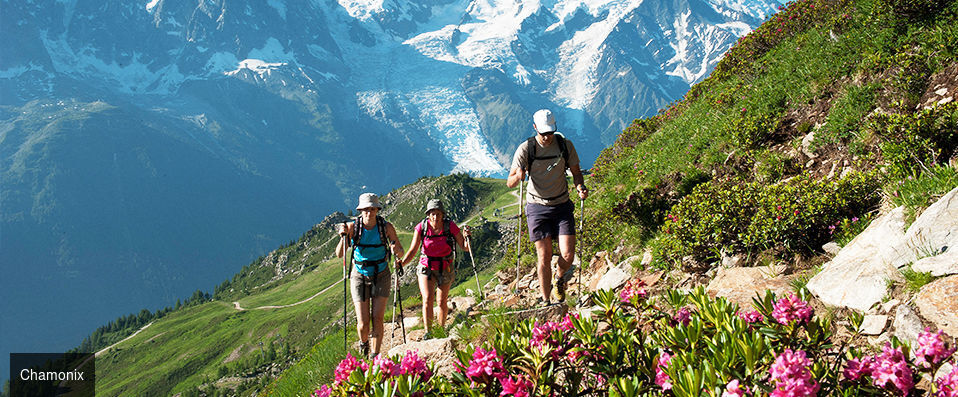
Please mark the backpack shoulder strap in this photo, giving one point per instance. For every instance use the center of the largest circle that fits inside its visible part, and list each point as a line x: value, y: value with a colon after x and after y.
x: 357, y: 231
x: 563, y: 149
x: 383, y: 239
x: 530, y: 152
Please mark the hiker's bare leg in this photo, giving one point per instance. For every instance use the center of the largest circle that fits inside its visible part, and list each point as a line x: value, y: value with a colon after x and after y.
x: 443, y: 304
x: 362, y: 319
x: 379, y: 308
x: 567, y: 252
x: 544, y: 263
x: 427, y: 288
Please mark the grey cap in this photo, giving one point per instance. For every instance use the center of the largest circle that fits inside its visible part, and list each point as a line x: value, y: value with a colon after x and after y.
x: 435, y: 204
x: 368, y: 200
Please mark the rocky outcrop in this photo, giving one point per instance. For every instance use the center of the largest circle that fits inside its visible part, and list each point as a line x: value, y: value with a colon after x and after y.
x: 858, y: 276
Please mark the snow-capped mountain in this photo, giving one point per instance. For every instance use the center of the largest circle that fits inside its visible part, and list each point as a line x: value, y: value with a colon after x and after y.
x: 159, y: 144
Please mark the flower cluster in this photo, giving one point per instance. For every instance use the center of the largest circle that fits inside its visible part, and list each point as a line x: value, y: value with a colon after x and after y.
x: 682, y: 316
x: 751, y: 317
x: 485, y: 366
x: 888, y: 367
x: 791, y: 375
x: 346, y: 367
x: 931, y: 349
x: 948, y: 384
x: 549, y: 336
x: 412, y: 364
x: 518, y: 387
x: 733, y: 389
x: 634, y: 290
x: 323, y: 391
x: 661, y: 378
x: 791, y: 309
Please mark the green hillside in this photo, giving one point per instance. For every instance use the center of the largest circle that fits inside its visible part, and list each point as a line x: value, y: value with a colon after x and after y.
x: 275, y: 311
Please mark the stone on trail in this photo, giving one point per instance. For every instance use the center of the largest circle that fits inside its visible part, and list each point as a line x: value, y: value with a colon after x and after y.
x: 938, y: 302
x: 617, y: 276
x: 741, y: 284
x: 907, y: 324
x: 873, y: 324
x: 438, y: 352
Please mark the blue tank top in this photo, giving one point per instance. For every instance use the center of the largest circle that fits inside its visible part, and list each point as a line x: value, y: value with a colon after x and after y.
x: 362, y: 254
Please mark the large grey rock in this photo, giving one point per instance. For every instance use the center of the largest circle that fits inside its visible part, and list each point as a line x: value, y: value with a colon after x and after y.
x: 907, y: 324
x: 932, y: 241
x: 740, y: 284
x: 616, y: 277
x: 857, y: 277
x: 938, y: 302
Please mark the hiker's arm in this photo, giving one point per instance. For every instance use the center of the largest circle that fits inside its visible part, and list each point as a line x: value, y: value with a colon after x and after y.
x: 463, y: 243
x: 394, y: 244
x: 579, y: 181
x: 413, y: 248
x: 516, y: 175
x: 343, y: 230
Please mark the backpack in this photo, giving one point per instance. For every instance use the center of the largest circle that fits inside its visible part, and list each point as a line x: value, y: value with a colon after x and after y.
x: 446, y: 233
x: 358, y: 231
x: 531, y: 146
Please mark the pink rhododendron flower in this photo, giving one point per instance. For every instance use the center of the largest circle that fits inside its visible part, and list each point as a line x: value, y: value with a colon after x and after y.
x: 791, y: 308
x: 890, y: 366
x: 859, y: 367
x: 411, y: 364
x: 734, y: 390
x: 323, y: 391
x: 386, y: 366
x: 948, y: 384
x: 519, y: 387
x: 791, y: 375
x: 682, y: 316
x: 661, y: 378
x: 346, y: 367
x: 753, y: 316
x: 485, y: 364
x: 544, y: 336
x: 633, y: 289
x: 931, y: 349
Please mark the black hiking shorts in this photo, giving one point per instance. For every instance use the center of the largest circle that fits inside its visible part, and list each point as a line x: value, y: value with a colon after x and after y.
x: 550, y: 220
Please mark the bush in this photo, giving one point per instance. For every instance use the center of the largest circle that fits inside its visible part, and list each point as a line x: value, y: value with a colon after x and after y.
x: 750, y: 217
x: 912, y: 142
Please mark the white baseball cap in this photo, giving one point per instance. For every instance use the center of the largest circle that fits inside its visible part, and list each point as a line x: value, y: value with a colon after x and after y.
x: 544, y: 121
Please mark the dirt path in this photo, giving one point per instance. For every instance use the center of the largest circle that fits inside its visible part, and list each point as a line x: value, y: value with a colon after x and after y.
x: 236, y: 304
x: 123, y: 340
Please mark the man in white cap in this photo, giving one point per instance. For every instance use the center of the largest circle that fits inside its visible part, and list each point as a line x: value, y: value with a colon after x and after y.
x: 550, y: 213
x: 373, y: 240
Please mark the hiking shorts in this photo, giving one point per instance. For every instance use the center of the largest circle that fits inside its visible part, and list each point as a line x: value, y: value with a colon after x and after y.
x: 377, y: 286
x: 445, y: 277
x: 550, y: 221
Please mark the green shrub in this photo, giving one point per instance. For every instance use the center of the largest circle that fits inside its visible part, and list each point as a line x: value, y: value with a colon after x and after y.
x: 914, y: 10
x: 912, y: 142
x: 750, y: 217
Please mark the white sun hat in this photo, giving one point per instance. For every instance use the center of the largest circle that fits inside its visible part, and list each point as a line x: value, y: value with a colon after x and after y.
x: 544, y: 121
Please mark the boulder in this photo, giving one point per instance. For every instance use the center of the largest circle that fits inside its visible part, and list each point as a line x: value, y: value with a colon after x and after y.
x: 438, y: 352
x: 740, y: 284
x: 938, y: 302
x: 462, y: 303
x: 939, y: 265
x: 932, y: 238
x: 907, y: 324
x: 857, y: 277
x: 616, y: 276
x: 873, y: 324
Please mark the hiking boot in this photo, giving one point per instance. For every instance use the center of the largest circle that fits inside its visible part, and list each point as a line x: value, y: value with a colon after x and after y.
x: 542, y: 303
x: 561, y: 283
x: 364, y: 349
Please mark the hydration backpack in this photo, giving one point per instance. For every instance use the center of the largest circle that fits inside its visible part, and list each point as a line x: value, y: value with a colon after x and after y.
x: 446, y: 233
x: 358, y: 231
x: 530, y: 152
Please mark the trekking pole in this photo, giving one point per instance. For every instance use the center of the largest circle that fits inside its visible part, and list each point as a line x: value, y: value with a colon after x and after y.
x: 474, y: 271
x: 344, y: 242
x: 579, y: 246
x: 518, y: 239
x: 398, y: 302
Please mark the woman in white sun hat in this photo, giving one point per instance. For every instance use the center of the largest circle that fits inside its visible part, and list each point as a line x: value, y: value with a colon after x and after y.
x: 373, y: 240
x: 438, y: 235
